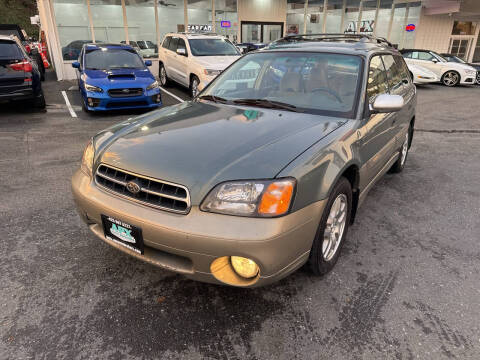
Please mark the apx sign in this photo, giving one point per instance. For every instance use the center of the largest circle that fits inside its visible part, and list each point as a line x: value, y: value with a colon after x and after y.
x: 366, y: 26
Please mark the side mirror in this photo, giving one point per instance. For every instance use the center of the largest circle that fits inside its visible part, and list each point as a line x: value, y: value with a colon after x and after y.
x: 182, y: 52
x: 148, y: 62
x: 435, y: 60
x: 76, y: 65
x: 387, y: 103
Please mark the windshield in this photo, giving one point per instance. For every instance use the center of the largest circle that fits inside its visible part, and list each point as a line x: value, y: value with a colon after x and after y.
x: 107, y: 59
x: 212, y: 47
x: 319, y: 83
x: 453, y: 58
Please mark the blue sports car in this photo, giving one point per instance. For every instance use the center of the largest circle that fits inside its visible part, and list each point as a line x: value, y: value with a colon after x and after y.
x: 114, y: 76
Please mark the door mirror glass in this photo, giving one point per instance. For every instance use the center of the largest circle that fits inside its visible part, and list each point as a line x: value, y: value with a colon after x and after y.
x: 181, y: 52
x: 387, y: 103
x: 76, y: 65
x: 148, y: 62
x: 434, y: 60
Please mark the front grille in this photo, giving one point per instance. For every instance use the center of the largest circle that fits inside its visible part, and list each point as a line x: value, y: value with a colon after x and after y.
x: 119, y: 104
x: 126, y: 92
x: 153, y: 192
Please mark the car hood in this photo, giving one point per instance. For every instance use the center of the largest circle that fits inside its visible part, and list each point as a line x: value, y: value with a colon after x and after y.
x: 216, y: 62
x: 200, y: 144
x: 458, y: 66
x: 119, y: 77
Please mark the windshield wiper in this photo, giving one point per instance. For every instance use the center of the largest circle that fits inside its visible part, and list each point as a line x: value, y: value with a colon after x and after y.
x: 271, y: 104
x: 213, y: 98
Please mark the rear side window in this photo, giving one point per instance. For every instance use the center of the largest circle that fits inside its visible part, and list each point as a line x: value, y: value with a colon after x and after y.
x: 377, y: 79
x: 407, y: 55
x: 9, y: 50
x: 166, y: 42
x: 173, y: 44
x: 394, y: 72
x: 181, y: 45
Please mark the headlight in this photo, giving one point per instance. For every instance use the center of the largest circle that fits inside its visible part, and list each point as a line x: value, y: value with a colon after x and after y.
x: 153, y: 85
x: 89, y: 87
x: 470, y: 72
x: 87, y: 159
x: 210, y: 72
x: 251, y: 198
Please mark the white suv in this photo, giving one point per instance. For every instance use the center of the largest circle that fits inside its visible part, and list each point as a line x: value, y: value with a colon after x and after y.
x: 449, y: 73
x: 193, y: 60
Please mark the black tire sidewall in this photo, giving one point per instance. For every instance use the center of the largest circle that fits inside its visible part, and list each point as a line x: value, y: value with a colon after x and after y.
x: 316, y: 262
x: 160, y: 73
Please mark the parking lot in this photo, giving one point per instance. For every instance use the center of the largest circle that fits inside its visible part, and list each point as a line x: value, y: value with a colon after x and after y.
x: 406, y: 285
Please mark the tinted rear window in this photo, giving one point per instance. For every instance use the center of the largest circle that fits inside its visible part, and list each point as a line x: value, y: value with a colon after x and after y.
x: 9, y: 50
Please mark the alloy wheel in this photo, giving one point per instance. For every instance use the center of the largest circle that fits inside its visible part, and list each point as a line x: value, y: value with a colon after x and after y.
x: 194, y: 87
x: 335, y: 227
x: 450, y: 78
x: 163, y: 75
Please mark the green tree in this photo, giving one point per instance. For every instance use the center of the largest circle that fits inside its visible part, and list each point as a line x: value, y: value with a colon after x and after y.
x: 19, y: 12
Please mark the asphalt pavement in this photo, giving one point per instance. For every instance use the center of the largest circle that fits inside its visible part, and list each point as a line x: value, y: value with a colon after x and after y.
x: 406, y: 285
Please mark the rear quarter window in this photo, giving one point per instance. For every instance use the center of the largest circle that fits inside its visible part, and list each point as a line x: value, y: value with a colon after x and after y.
x: 9, y: 50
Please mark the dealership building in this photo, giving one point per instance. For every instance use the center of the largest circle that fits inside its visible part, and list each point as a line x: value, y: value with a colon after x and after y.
x: 440, y: 25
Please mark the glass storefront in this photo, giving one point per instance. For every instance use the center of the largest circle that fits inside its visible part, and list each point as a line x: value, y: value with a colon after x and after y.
x: 82, y: 21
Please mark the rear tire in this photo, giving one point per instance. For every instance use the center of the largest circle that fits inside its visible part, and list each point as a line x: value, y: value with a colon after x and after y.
x: 399, y: 165
x: 332, y: 230
x: 162, y: 74
x: 194, y: 82
x: 39, y: 101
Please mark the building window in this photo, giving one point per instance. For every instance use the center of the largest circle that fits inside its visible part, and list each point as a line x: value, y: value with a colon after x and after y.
x: 414, y: 10
x: 142, y: 31
x: 315, y: 17
x: 383, y: 18
x: 226, y: 19
x: 199, y: 15
x: 334, y: 16
x: 463, y: 28
x: 295, y: 17
x: 107, y: 18
x: 170, y: 16
x: 73, y: 26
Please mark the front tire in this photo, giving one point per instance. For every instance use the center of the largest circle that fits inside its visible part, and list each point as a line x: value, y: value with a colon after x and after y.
x: 450, y: 78
x: 194, y: 82
x: 332, y: 230
x: 163, y: 75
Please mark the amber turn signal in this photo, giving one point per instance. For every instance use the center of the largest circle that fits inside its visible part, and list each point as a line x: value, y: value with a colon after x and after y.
x: 277, y: 198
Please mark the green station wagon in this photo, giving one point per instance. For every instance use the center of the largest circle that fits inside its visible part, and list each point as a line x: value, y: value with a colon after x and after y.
x: 264, y: 171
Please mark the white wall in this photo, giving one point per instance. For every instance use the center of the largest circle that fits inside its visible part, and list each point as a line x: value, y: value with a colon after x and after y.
x: 433, y: 32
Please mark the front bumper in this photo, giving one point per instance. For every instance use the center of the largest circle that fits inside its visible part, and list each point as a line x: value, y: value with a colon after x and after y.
x: 188, y: 244
x: 468, y: 79
x: 104, y: 102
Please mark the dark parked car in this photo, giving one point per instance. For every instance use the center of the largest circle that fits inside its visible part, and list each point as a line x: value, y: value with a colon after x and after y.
x: 114, y: 76
x: 454, y: 58
x: 254, y: 177
x: 32, y: 51
x: 20, y: 78
x: 72, y: 50
x: 247, y: 47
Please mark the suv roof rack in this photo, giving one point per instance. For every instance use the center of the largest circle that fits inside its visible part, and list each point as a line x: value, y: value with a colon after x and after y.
x: 197, y: 33
x: 338, y: 36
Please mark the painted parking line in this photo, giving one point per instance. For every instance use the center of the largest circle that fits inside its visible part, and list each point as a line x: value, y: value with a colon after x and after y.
x: 69, y: 106
x: 172, y: 95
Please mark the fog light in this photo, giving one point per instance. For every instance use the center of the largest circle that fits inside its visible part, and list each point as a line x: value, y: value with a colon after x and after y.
x: 244, y: 267
x: 90, y: 101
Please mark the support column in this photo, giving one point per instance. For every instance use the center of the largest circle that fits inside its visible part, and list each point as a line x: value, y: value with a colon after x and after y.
x: 157, y: 29
x: 405, y: 19
x: 305, y: 10
x: 125, y: 23
x: 185, y: 14
x: 214, y: 23
x: 90, y: 21
x: 376, y: 18
x: 342, y: 21
x: 390, y: 23
x: 324, y: 24
x: 359, y: 19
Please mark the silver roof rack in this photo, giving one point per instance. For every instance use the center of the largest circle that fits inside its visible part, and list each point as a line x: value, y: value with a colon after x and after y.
x: 338, y: 36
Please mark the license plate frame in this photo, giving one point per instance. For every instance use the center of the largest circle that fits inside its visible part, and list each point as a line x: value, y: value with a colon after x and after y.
x: 123, y: 233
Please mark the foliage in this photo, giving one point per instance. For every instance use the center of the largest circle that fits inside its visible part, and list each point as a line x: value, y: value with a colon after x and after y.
x: 19, y: 12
